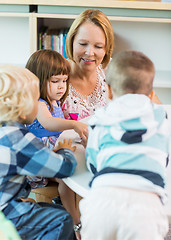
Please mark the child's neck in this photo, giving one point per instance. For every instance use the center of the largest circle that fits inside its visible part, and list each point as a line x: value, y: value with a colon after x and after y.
x: 54, y: 103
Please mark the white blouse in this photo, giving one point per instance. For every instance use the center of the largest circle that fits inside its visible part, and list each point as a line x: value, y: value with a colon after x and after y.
x: 85, y: 106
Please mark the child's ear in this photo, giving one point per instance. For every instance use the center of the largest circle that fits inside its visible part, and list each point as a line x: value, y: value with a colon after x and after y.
x: 151, y: 95
x: 22, y: 117
x: 154, y: 98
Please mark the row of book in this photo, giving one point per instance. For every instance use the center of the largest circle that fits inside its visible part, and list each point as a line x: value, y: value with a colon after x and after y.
x: 53, y: 39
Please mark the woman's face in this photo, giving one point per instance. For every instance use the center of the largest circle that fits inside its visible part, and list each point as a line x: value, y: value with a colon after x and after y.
x: 89, y: 46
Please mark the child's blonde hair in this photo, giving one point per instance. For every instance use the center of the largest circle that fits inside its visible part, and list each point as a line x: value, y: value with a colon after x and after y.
x: 130, y: 72
x: 17, y: 86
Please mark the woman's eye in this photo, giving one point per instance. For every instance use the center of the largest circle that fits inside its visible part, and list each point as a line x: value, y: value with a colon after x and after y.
x: 99, y: 47
x: 83, y: 44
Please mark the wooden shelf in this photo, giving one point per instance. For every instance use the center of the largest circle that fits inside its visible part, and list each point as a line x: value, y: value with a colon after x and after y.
x: 139, y: 25
x: 155, y: 5
x: 109, y: 4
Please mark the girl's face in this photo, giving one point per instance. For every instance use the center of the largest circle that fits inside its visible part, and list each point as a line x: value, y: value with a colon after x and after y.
x: 56, y: 87
x: 89, y: 46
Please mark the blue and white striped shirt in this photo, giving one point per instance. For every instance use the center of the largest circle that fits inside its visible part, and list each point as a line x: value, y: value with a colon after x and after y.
x: 128, y: 145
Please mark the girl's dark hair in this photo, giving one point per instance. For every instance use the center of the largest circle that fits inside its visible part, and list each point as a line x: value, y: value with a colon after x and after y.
x: 44, y: 64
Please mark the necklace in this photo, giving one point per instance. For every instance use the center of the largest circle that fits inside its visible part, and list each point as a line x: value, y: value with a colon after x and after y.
x: 79, y: 95
x: 95, y: 99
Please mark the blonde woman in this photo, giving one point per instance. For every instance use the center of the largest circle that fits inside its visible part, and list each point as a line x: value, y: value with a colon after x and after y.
x: 89, y: 46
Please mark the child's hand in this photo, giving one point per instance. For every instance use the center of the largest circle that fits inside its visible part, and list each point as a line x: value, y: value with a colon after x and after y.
x: 82, y: 130
x: 65, y: 144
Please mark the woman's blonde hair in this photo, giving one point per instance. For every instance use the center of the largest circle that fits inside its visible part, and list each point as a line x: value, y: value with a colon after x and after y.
x: 46, y: 63
x: 17, y: 86
x: 99, y: 19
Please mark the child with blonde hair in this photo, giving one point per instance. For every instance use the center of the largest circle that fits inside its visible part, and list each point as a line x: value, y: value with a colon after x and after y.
x: 23, y: 154
x: 127, y: 151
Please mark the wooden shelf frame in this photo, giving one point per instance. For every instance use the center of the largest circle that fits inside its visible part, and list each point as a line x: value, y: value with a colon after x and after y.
x: 121, y: 12
x: 155, y: 5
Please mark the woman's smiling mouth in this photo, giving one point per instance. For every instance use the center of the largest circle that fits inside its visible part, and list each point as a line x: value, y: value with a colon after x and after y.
x: 88, y: 60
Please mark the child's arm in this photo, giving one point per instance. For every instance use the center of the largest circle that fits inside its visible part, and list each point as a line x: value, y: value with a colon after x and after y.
x: 35, y: 159
x: 55, y: 124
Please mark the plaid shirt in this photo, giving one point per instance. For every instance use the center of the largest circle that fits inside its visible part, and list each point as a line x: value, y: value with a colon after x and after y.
x: 23, y: 154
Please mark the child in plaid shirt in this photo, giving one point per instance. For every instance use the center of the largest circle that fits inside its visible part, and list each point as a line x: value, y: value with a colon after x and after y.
x: 23, y: 154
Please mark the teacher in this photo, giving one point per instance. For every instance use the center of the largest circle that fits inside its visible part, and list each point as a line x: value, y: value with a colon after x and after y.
x: 89, y: 46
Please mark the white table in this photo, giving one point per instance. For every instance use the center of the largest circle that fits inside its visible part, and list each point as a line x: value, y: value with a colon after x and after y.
x: 79, y: 181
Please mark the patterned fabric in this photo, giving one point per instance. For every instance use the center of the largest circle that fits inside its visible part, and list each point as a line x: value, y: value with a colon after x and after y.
x: 23, y: 154
x: 39, y: 131
x: 44, y: 221
x: 85, y: 106
x: 47, y: 137
x: 37, y: 182
x: 130, y: 139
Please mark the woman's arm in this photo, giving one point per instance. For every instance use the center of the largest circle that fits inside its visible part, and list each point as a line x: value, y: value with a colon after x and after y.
x: 110, y: 95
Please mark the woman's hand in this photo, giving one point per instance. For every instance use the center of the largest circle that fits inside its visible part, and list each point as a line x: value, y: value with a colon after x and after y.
x: 65, y: 144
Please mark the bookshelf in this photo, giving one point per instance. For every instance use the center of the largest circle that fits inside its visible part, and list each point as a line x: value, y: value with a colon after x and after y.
x: 138, y: 25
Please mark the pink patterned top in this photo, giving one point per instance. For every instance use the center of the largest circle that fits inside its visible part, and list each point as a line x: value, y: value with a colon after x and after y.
x: 85, y: 106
